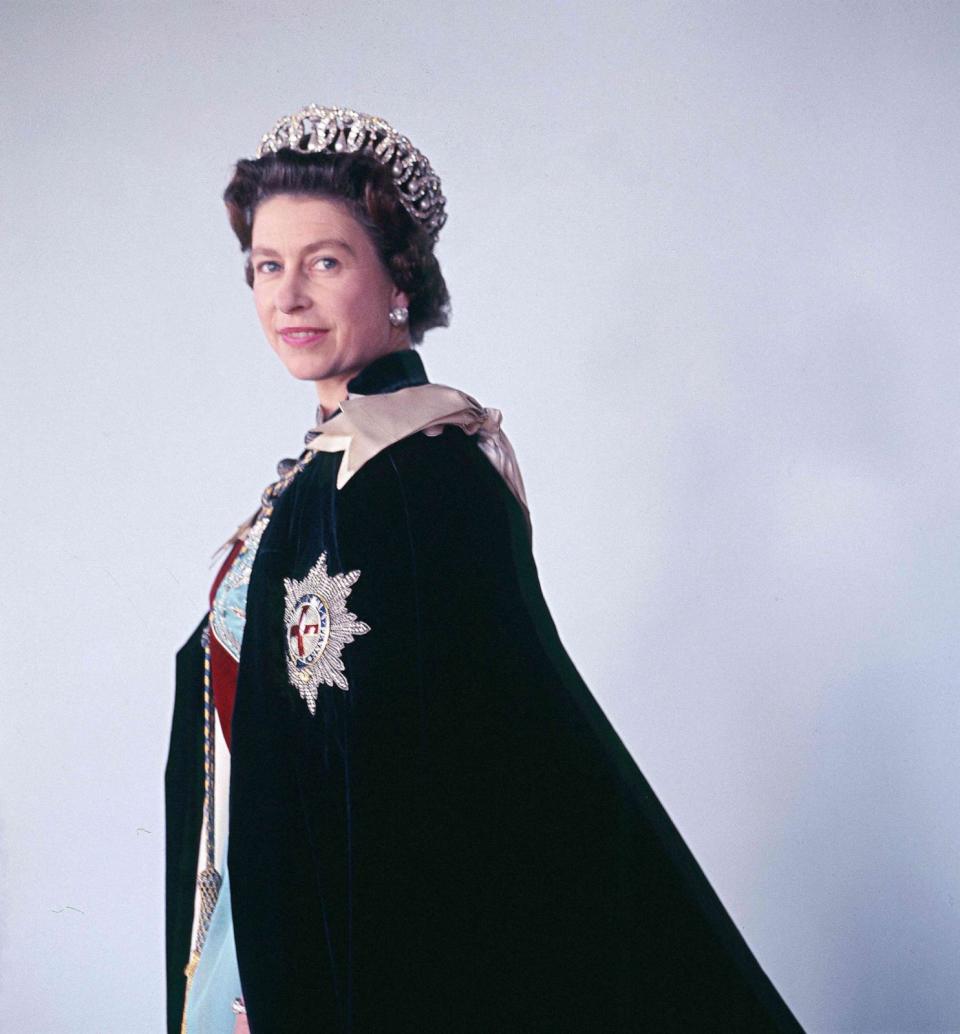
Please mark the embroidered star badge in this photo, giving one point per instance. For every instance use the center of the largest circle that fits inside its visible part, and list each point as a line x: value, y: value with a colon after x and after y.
x: 317, y: 627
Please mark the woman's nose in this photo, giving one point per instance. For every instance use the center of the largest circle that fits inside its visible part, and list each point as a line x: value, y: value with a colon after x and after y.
x: 291, y: 293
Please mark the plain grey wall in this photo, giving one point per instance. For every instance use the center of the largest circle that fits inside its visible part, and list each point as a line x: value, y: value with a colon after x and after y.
x: 703, y: 255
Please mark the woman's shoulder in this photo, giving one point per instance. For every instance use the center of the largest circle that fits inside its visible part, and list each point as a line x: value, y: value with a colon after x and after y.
x: 428, y: 458
x: 441, y: 469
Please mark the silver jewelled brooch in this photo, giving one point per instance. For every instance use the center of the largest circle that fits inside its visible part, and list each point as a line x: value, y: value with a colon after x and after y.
x: 317, y: 627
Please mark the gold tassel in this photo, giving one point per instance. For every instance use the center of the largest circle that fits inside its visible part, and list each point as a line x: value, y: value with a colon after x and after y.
x: 188, y: 972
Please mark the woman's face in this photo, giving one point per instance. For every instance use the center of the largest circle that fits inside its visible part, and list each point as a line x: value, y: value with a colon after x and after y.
x: 321, y: 291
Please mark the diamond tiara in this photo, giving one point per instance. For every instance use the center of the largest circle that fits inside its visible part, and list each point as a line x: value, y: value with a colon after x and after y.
x: 315, y: 130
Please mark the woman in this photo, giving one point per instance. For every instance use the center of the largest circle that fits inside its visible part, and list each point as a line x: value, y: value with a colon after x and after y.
x: 432, y: 826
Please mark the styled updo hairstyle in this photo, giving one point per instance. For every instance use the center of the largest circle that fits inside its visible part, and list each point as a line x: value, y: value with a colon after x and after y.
x: 367, y: 190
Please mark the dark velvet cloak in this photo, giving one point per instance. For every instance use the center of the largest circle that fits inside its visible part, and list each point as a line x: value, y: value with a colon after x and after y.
x: 460, y: 842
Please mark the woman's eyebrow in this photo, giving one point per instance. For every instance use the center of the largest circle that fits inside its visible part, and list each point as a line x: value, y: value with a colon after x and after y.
x: 326, y: 242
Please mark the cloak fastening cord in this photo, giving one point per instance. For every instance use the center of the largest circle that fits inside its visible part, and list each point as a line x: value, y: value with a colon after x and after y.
x: 209, y: 879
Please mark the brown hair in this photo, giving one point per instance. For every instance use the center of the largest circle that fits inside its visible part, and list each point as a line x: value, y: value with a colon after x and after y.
x: 366, y: 188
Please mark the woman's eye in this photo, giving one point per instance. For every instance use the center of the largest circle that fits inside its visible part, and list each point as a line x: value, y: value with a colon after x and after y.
x: 326, y: 263
x: 267, y: 266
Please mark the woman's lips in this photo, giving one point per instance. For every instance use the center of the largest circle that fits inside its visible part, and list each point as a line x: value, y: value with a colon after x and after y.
x: 301, y: 337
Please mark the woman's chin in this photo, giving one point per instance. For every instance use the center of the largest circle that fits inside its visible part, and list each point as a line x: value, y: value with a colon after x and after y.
x: 305, y: 368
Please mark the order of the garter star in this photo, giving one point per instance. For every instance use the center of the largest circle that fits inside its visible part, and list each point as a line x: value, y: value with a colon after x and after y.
x: 317, y: 627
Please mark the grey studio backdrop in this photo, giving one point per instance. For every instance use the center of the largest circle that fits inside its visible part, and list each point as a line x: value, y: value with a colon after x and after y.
x: 702, y: 255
